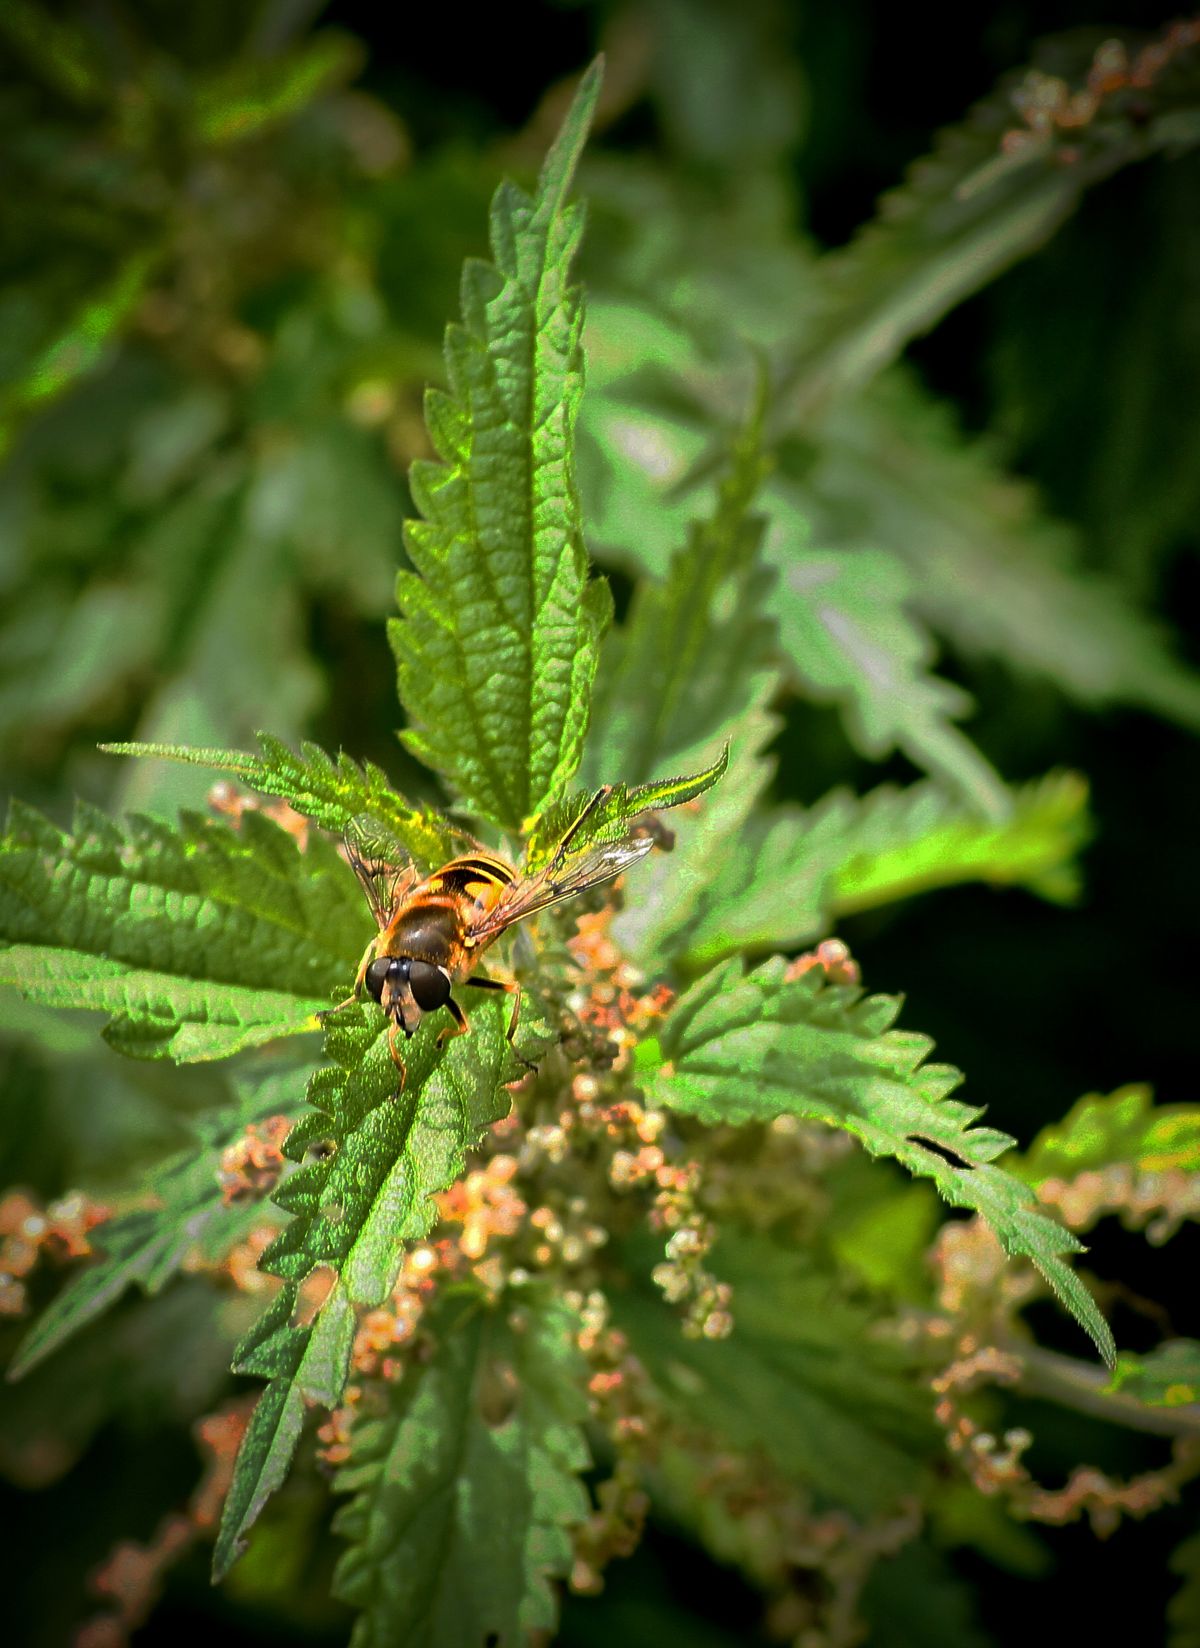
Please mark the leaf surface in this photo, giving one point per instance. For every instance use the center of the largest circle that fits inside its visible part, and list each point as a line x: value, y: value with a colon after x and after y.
x: 697, y: 646
x: 848, y: 631
x: 609, y: 819
x: 1125, y: 1128
x: 792, y: 872
x: 465, y: 1489
x: 497, y: 642
x: 331, y: 791
x: 198, y: 941
x: 799, y: 1377
x: 355, y: 1208
x: 738, y: 1049
x: 147, y: 1246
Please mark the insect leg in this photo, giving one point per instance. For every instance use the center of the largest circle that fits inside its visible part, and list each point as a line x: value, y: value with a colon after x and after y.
x: 394, y: 1031
x: 602, y: 795
x: 513, y: 989
x: 356, y: 993
x: 560, y: 852
x: 368, y: 957
x: 462, y: 1028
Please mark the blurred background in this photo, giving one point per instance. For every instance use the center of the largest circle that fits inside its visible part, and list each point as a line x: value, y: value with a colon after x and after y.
x: 230, y: 237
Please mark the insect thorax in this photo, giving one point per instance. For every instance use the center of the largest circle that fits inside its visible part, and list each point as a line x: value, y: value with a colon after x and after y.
x: 426, y: 934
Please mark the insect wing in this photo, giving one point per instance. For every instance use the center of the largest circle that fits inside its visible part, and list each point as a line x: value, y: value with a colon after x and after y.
x: 384, y: 871
x: 528, y: 894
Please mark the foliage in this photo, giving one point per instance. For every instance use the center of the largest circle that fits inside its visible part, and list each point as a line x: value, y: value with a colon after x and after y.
x: 499, y: 631
x: 470, y: 1566
x: 614, y: 1262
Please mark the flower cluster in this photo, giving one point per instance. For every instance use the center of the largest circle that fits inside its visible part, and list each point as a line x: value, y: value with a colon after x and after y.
x: 1048, y: 106
x: 30, y: 1234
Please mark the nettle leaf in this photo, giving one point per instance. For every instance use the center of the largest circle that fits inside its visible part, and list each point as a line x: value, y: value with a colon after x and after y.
x: 199, y: 941
x: 990, y: 568
x: 697, y: 646
x: 609, y: 819
x: 246, y: 97
x: 1125, y: 1128
x: 384, y: 1155
x: 673, y: 888
x: 847, y: 618
x: 1166, y: 1377
x: 993, y: 190
x: 466, y: 1487
x: 792, y: 872
x: 800, y: 1378
x: 900, y: 842
x: 749, y: 1048
x: 331, y: 791
x: 79, y: 344
x: 849, y: 634
x: 147, y: 1246
x: 498, y: 638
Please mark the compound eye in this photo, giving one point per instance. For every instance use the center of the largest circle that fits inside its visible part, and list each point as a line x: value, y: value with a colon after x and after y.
x: 375, y: 975
x: 429, y: 985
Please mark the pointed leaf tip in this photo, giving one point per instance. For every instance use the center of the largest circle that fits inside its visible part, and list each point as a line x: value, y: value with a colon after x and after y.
x: 562, y: 157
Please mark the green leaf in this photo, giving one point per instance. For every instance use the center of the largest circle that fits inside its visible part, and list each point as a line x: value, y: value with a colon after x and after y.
x: 354, y: 1211
x: 792, y: 872
x: 1166, y: 1377
x: 199, y: 941
x: 642, y: 434
x: 800, y: 1377
x: 847, y: 617
x: 157, y: 1014
x: 916, y: 1596
x: 466, y: 1487
x: 902, y: 842
x: 738, y: 1049
x: 498, y: 638
x: 1125, y: 1128
x: 80, y: 345
x: 672, y: 888
x: 147, y: 1247
x: 993, y: 190
x: 609, y: 819
x: 989, y: 567
x: 846, y: 627
x: 247, y: 96
x: 697, y: 646
x: 329, y: 791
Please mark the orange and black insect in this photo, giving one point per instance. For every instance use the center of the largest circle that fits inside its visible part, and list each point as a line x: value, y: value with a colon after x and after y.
x: 433, y: 932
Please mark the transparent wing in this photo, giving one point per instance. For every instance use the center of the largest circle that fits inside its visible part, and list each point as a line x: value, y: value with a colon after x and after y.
x: 385, y: 872
x: 562, y: 878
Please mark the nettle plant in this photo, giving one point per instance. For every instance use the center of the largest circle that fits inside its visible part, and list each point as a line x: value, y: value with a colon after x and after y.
x: 631, y: 1259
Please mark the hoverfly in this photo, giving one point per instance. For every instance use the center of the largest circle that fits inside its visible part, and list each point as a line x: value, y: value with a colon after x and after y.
x: 433, y: 932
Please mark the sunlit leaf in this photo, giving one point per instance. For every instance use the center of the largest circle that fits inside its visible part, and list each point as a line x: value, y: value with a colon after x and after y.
x: 355, y: 1208
x: 497, y: 644
x: 197, y: 941
x: 738, y: 1049
x: 329, y: 791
